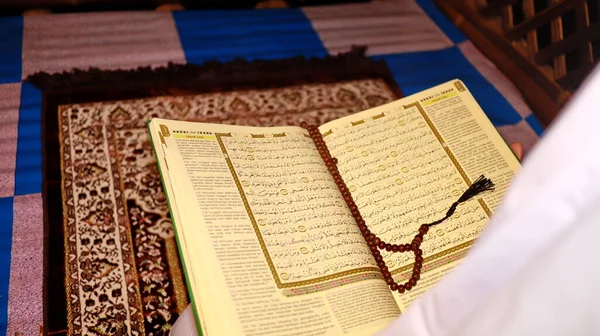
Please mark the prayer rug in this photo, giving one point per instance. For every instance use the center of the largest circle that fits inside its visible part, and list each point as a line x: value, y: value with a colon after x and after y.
x: 113, y: 265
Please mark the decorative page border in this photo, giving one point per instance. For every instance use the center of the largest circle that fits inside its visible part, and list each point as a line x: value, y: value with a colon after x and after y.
x: 261, y: 241
x: 431, y: 260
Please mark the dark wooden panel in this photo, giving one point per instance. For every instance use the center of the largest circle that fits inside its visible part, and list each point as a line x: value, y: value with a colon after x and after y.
x: 574, y: 78
x: 561, y: 47
x: 541, y: 93
x: 494, y: 8
x: 541, y: 18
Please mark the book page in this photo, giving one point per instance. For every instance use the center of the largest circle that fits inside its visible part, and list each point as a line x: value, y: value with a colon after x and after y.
x: 273, y: 248
x: 406, y: 162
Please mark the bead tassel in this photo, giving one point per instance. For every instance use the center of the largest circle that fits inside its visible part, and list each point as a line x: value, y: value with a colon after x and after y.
x: 375, y: 243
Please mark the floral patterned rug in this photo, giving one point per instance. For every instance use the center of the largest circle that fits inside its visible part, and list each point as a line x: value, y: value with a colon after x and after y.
x: 119, y: 258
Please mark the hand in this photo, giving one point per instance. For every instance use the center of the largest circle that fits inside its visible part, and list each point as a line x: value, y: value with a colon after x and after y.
x: 517, y: 148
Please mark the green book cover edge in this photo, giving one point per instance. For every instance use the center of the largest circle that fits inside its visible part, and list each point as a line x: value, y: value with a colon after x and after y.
x: 177, y: 234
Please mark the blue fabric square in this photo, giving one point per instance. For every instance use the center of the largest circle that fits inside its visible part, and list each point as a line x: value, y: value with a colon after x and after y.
x: 6, y: 224
x: 11, y: 43
x: 535, y: 124
x: 249, y: 34
x: 415, y: 72
x: 28, y: 172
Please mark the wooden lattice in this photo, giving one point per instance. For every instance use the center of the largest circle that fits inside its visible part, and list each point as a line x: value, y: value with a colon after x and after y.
x: 546, y: 47
x: 558, y: 35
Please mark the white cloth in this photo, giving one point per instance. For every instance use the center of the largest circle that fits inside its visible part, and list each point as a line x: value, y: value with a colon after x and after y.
x: 185, y: 324
x: 534, y: 270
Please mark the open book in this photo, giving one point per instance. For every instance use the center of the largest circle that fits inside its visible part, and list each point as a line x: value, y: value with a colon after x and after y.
x: 267, y: 242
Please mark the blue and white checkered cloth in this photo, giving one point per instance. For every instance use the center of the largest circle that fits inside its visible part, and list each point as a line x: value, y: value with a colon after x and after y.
x: 421, y: 47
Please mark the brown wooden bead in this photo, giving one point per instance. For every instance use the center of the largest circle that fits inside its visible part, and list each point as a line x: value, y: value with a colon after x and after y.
x: 419, y: 265
x: 395, y: 248
x: 394, y: 286
x: 388, y: 248
x: 407, y: 247
x: 418, y: 252
x: 372, y: 237
x: 389, y: 281
x: 387, y: 274
x: 355, y: 213
x: 378, y: 258
x: 416, y: 276
x: 419, y: 238
x: 423, y: 229
x: 360, y: 222
x: 401, y: 248
x: 408, y: 286
x: 372, y: 245
x: 381, y: 245
x: 412, y: 282
x: 401, y: 289
x: 352, y: 206
x: 304, y: 124
x: 335, y: 160
x: 419, y: 259
x: 383, y: 268
x: 414, y: 245
x: 380, y: 264
x: 376, y: 239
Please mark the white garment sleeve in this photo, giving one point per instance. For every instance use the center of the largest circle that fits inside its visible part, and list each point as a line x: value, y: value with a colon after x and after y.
x: 559, y: 181
x: 556, y: 293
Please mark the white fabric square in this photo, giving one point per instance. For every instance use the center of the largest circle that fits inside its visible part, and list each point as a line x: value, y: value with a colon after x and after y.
x: 488, y: 70
x: 25, y: 293
x: 10, y: 99
x: 519, y: 132
x: 123, y: 40
x: 385, y: 27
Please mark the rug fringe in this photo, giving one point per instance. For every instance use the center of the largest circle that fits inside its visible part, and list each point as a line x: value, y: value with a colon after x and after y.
x: 235, y: 74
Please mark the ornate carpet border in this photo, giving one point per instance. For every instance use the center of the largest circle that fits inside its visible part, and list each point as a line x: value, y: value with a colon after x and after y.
x: 95, y: 85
